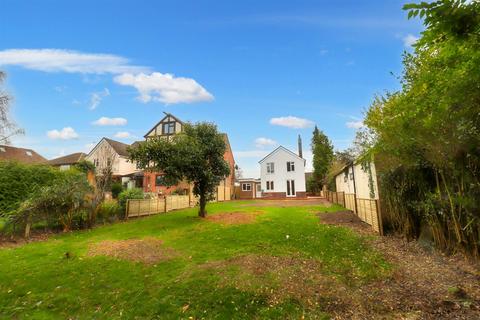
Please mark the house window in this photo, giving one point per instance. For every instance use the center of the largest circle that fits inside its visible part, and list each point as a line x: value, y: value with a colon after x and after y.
x: 168, y: 128
x: 159, y: 181
x: 290, y: 166
x: 269, y: 185
x: 270, y: 167
x: 246, y: 187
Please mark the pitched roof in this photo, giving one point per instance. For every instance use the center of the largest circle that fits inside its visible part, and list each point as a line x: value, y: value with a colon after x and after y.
x: 166, y: 116
x: 20, y: 154
x: 281, y: 148
x: 68, y: 159
x: 119, y: 147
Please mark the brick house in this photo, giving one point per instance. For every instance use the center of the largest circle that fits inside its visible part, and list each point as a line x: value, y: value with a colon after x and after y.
x: 153, y: 181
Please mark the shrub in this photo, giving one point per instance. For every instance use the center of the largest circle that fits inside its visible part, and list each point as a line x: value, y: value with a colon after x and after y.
x: 135, y: 193
x: 116, y: 189
x: 54, y: 204
x: 109, y: 211
x: 19, y: 181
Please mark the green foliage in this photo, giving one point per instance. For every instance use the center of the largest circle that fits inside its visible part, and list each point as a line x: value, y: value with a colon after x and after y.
x: 430, y: 128
x: 85, y: 166
x: 116, y: 188
x: 19, y: 181
x: 135, y: 193
x: 195, y: 155
x: 109, y: 211
x: 56, y: 203
x: 322, y: 150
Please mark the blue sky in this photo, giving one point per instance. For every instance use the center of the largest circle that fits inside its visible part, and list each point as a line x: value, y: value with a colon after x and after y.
x: 263, y: 71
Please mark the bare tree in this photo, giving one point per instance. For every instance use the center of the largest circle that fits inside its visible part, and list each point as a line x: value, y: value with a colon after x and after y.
x: 105, y: 161
x: 7, y: 126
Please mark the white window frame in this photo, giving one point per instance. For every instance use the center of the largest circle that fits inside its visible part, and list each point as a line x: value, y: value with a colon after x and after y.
x: 245, y: 185
x: 290, y: 166
x: 270, y: 167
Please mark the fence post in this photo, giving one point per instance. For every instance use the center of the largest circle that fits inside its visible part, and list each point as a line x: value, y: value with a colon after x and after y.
x: 165, y: 199
x: 344, y: 200
x: 138, y: 211
x: 127, y: 209
x: 379, y: 216
x: 355, y: 204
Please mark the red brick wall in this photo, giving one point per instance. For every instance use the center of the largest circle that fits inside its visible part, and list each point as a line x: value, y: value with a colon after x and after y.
x: 149, y: 184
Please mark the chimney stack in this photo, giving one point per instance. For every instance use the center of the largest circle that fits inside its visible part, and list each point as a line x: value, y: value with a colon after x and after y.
x: 300, y: 153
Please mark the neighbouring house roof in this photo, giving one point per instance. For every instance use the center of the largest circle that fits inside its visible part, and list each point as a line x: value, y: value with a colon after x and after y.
x: 248, y: 180
x: 68, y: 159
x: 119, y: 147
x: 281, y: 148
x: 20, y: 155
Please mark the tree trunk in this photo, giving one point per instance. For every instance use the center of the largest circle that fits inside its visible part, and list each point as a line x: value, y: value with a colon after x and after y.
x: 27, y: 228
x: 202, y: 212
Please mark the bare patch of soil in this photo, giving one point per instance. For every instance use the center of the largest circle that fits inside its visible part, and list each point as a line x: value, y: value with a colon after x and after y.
x: 148, y: 250
x: 237, y: 217
x: 17, y: 241
x: 288, y: 203
x: 424, y: 285
x: 281, y: 278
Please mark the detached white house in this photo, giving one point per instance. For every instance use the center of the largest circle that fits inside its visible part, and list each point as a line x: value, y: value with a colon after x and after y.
x: 282, y: 174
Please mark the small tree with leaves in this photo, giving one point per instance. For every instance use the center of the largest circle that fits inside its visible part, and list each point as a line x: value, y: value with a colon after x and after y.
x: 195, y: 155
x: 322, y: 150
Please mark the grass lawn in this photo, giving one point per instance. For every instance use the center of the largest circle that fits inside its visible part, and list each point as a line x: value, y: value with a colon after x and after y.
x: 270, y: 268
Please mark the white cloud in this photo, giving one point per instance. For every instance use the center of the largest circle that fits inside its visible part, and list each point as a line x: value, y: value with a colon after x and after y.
x: 165, y: 88
x: 60, y: 60
x: 264, y: 142
x: 409, y: 40
x: 96, y: 98
x: 66, y: 133
x: 250, y: 154
x: 105, y: 121
x: 354, y: 124
x: 122, y: 135
x: 292, y: 122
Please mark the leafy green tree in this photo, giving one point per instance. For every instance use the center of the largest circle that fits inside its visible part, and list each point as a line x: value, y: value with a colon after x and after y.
x: 322, y: 150
x: 195, y: 155
x: 427, y: 133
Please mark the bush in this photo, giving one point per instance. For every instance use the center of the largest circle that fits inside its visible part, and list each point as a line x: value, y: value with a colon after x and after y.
x: 109, y: 211
x: 134, y: 193
x: 116, y: 189
x: 55, y: 204
x: 19, y: 181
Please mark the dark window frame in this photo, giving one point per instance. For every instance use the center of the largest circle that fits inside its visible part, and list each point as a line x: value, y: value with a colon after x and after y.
x: 171, y: 126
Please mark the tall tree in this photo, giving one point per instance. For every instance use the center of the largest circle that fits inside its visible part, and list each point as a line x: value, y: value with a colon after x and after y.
x: 7, y: 127
x: 195, y: 155
x: 322, y: 150
x: 427, y: 132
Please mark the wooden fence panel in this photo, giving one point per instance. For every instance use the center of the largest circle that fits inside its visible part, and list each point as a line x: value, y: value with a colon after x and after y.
x: 221, y: 193
x: 144, y: 207
x: 368, y: 210
x: 350, y: 202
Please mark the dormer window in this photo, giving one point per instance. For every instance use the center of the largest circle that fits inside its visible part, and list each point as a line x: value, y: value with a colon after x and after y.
x: 28, y: 153
x: 2, y: 149
x: 168, y: 128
